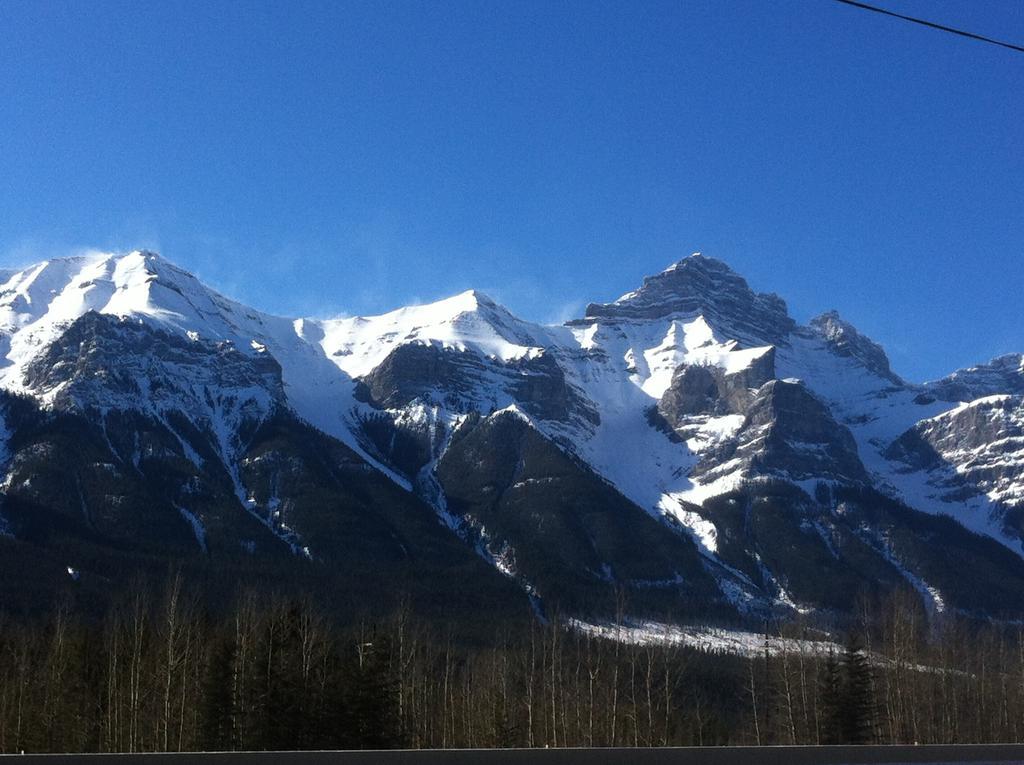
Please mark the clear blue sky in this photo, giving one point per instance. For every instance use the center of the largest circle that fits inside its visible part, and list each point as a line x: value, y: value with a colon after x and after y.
x: 321, y: 158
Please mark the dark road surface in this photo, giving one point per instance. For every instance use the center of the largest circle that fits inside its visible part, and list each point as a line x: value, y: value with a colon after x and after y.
x: 809, y: 755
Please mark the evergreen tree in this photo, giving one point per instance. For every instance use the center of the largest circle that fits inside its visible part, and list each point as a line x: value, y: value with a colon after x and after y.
x: 217, y: 701
x: 284, y: 722
x: 830, y: 695
x: 371, y: 690
x: 857, y: 708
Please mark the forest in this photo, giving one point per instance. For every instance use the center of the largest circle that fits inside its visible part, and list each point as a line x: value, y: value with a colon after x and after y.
x: 160, y: 672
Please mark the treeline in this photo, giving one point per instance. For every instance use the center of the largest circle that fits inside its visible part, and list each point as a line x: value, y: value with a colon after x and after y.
x: 903, y: 677
x: 159, y: 673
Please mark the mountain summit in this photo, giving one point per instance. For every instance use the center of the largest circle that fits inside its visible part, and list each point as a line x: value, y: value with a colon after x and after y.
x: 688, y: 446
x: 704, y: 286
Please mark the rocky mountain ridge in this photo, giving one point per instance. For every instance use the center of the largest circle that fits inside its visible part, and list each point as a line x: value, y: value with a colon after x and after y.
x: 688, y: 446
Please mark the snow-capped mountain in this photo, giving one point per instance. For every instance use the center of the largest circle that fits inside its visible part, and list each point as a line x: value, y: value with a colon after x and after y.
x: 689, y: 444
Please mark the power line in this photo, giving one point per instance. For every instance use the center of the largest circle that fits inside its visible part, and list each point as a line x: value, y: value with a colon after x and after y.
x: 931, y: 24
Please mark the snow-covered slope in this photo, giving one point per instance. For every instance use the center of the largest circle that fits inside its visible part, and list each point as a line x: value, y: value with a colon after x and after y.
x: 38, y: 304
x: 469, y: 321
x: 687, y: 390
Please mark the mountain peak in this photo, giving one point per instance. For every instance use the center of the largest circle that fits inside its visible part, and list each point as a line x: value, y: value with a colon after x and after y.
x: 699, y: 284
x: 468, y: 320
x: 475, y: 299
x: 698, y: 256
x: 46, y: 297
x: 846, y: 340
x: 445, y: 310
x: 149, y: 255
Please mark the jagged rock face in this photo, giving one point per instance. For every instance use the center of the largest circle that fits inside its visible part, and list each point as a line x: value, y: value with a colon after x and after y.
x: 178, y: 422
x: 739, y: 389
x: 977, y: 448
x: 420, y: 372
x: 695, y: 389
x: 706, y: 286
x: 541, y: 389
x: 464, y: 381
x: 789, y: 432
x: 702, y: 389
x: 107, y: 362
x: 843, y: 338
x: 1002, y: 375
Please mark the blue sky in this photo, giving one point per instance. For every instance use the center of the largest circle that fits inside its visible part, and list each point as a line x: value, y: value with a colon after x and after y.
x: 325, y: 158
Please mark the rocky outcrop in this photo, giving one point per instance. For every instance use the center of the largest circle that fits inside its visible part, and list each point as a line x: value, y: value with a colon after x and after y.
x: 1001, y: 375
x: 104, y: 361
x: 418, y: 371
x: 789, y: 433
x: 464, y: 381
x: 695, y: 389
x: 844, y: 340
x: 541, y: 389
x: 977, y: 448
x: 163, y: 423
x: 701, y: 389
x: 701, y: 285
x: 739, y: 388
